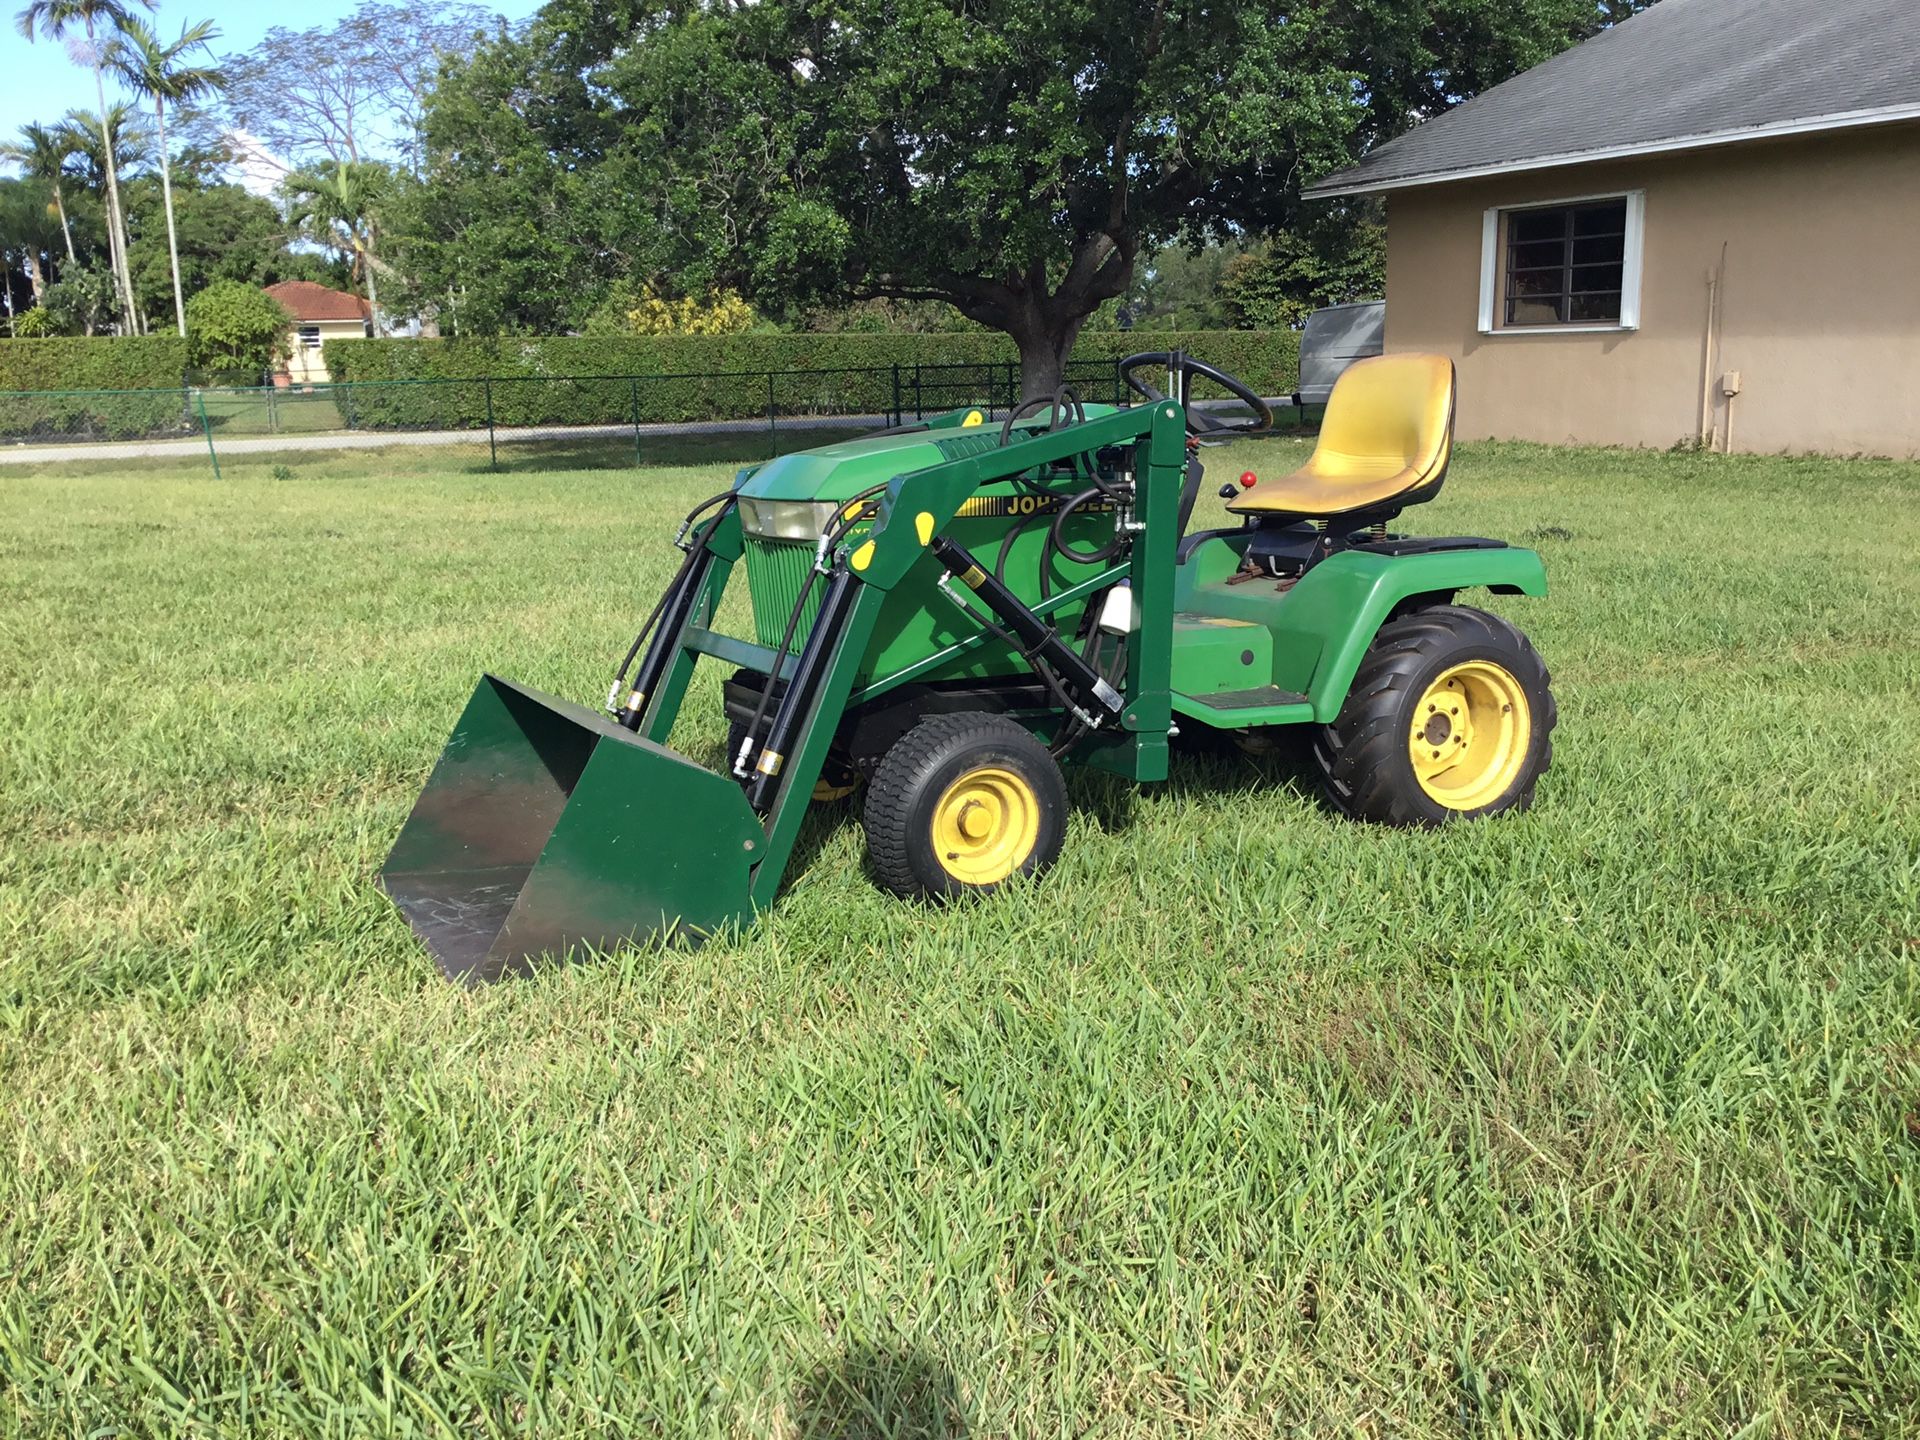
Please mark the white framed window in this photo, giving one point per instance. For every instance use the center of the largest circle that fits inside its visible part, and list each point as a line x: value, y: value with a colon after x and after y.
x: 309, y: 337
x: 1563, y: 265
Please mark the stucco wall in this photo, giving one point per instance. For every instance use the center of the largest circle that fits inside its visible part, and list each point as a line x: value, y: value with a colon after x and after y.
x: 1820, y: 310
x: 308, y: 367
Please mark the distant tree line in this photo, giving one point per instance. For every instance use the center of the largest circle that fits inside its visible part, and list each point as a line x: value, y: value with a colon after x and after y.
x: 656, y: 167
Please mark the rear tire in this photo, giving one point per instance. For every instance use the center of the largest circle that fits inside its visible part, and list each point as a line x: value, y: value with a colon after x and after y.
x: 960, y: 804
x: 1450, y: 717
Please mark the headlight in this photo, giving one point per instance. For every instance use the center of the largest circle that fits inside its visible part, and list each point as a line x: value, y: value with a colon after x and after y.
x: 786, y: 519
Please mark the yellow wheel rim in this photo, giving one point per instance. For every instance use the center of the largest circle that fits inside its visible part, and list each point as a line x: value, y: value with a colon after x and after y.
x: 1470, y: 736
x: 985, y: 826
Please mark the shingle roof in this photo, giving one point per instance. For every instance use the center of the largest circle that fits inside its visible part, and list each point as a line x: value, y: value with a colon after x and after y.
x: 305, y: 300
x: 1681, y: 75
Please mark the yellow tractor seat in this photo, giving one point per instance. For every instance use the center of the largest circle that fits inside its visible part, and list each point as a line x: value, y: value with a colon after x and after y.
x: 1384, y: 443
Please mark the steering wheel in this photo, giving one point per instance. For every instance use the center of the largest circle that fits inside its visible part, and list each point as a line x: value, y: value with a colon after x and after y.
x: 1185, y: 367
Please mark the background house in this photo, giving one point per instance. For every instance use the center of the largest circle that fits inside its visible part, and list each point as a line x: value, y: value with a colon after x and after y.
x: 319, y: 315
x: 1702, y: 225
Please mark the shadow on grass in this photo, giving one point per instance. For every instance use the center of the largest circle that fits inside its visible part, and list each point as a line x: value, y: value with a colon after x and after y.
x: 1207, y: 764
x: 878, y: 1393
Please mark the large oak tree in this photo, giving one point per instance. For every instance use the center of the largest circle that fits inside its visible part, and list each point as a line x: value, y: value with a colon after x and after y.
x: 1014, y: 158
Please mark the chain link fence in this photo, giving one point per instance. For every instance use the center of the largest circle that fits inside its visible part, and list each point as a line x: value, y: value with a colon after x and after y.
x: 500, y: 423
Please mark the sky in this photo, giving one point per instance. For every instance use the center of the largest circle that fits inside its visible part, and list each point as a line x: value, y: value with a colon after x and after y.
x: 38, y: 82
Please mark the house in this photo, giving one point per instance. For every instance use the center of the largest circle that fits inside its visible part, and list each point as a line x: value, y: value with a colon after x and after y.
x: 319, y: 315
x: 1697, y: 227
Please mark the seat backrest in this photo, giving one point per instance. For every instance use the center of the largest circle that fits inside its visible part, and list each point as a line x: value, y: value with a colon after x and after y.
x: 1392, y: 410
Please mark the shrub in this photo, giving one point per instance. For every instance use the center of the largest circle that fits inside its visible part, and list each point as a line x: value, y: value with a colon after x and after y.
x: 236, y: 330
x: 630, y: 310
x: 452, y: 384
x: 82, y: 300
x: 99, y: 362
x: 149, y: 364
x: 34, y: 324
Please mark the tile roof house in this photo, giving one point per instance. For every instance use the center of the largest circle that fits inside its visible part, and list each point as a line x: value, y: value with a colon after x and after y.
x: 1698, y: 226
x: 319, y: 315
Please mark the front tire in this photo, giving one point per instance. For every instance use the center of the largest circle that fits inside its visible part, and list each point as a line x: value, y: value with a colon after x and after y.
x: 960, y: 804
x: 1451, y: 716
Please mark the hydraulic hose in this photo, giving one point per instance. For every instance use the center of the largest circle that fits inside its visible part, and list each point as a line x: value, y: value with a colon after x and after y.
x: 1038, y: 639
x: 798, y: 704
x: 693, y: 553
x: 1098, y: 556
x: 785, y: 648
x: 1063, y: 401
x: 848, y: 515
x: 1014, y: 532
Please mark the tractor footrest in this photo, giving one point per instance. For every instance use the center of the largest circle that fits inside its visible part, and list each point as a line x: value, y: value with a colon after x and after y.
x: 1257, y: 698
x: 1239, y: 709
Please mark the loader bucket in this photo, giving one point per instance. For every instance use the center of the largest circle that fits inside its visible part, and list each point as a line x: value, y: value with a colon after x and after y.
x: 546, y: 827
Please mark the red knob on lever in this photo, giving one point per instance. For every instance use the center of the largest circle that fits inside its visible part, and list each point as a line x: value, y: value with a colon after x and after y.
x: 1248, y: 479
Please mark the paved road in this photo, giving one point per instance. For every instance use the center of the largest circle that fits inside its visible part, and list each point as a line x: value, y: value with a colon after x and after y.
x: 381, y: 439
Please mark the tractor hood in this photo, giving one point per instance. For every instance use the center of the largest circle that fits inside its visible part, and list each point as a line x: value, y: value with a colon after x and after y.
x: 844, y: 469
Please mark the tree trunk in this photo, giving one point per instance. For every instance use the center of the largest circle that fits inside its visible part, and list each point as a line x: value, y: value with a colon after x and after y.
x: 1045, y: 338
x: 122, y: 272
x: 166, y: 196
x: 123, y: 277
x: 31, y: 263
x: 60, y: 204
x: 373, y: 298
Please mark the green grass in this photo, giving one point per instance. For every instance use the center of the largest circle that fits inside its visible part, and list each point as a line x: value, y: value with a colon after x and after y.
x: 1598, y: 1120
x: 262, y: 412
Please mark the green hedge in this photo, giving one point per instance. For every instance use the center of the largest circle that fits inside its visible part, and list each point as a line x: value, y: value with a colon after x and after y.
x: 151, y: 364
x: 453, y: 384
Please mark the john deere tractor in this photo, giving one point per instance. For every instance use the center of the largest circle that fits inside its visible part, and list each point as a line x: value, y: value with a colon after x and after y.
x: 945, y: 615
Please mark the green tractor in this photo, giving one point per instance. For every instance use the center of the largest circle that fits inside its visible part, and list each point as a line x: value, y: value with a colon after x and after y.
x: 945, y: 614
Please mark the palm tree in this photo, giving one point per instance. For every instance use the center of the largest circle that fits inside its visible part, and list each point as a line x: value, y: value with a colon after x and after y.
x: 53, y: 18
x: 26, y: 232
x: 151, y: 68
x: 42, y: 151
x: 102, y: 146
x: 335, y: 208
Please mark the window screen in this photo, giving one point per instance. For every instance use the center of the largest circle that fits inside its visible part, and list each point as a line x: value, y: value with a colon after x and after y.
x: 1565, y: 264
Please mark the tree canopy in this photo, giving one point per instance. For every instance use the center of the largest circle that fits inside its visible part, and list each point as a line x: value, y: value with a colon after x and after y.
x: 1012, y: 158
x: 353, y: 91
x: 236, y: 329
x: 1033, y: 166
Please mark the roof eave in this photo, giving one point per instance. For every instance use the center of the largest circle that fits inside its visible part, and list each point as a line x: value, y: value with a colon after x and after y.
x: 1333, y: 188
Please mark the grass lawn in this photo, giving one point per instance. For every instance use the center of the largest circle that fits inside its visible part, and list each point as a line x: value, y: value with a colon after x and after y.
x: 1604, y: 1119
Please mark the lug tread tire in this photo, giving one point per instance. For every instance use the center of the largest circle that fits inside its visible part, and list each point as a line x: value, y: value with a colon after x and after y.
x: 1361, y: 756
x: 916, y: 771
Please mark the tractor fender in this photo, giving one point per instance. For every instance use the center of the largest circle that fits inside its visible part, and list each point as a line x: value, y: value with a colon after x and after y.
x: 1330, y: 617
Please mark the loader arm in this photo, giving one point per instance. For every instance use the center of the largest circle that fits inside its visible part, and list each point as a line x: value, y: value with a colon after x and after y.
x: 918, y: 507
x: 547, y: 827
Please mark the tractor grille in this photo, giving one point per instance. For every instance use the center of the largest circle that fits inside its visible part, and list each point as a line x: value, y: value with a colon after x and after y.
x: 776, y: 569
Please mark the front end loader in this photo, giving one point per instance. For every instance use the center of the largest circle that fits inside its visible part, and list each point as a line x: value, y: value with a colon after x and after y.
x: 944, y: 615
